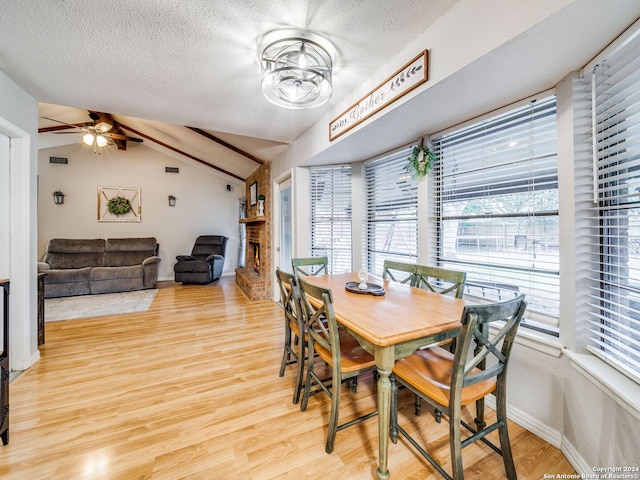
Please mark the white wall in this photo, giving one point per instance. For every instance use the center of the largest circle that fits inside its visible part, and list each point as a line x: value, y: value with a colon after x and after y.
x: 19, y: 122
x: 203, y: 205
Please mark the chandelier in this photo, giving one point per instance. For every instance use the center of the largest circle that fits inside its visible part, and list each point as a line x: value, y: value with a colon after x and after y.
x: 296, y: 73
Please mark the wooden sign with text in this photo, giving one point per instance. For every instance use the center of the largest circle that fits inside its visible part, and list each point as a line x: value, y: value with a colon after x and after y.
x: 412, y: 75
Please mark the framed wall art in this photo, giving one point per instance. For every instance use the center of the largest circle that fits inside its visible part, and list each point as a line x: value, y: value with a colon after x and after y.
x: 253, y: 194
x: 119, y: 204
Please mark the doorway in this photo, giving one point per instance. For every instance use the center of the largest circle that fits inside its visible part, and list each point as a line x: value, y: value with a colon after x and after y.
x: 285, y: 242
x: 4, y: 234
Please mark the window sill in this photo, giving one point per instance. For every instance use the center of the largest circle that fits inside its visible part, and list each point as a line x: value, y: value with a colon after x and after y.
x: 621, y: 389
x: 540, y: 342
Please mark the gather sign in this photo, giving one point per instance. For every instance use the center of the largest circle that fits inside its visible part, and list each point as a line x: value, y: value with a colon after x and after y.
x: 412, y: 75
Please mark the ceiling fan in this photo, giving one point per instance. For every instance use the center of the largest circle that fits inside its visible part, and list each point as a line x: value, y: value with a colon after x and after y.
x: 104, y: 130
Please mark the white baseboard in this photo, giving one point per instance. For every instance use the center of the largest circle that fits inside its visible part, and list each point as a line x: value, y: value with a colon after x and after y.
x: 526, y: 421
x: 35, y: 357
x: 574, y: 458
x: 32, y: 360
x: 548, y: 434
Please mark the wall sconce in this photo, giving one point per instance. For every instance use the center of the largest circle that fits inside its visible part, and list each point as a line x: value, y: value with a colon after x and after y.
x: 58, y: 197
x: 172, y: 200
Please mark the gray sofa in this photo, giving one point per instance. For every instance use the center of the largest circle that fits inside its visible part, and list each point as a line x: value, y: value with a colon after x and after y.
x: 82, y: 267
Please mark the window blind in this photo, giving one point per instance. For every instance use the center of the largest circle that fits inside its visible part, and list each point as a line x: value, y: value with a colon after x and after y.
x: 614, y: 268
x: 391, y: 210
x: 496, y: 208
x: 331, y: 216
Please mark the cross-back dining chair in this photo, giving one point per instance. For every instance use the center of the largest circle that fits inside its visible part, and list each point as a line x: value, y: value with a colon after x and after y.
x: 440, y: 280
x: 400, y: 272
x: 337, y: 348
x: 310, y: 265
x: 445, y: 282
x: 450, y: 381
x: 294, y: 341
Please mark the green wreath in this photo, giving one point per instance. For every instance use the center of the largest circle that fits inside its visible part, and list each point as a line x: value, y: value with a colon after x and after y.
x: 118, y: 206
x: 420, y: 161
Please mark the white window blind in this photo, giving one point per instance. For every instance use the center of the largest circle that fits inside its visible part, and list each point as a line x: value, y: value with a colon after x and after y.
x: 496, y: 197
x: 331, y: 216
x: 614, y: 269
x: 391, y: 211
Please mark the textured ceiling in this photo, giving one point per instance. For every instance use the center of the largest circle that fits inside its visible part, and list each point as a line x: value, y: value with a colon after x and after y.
x: 161, y: 65
x: 194, y: 62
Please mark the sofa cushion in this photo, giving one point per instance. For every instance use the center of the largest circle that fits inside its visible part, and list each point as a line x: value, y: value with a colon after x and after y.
x: 74, y: 253
x: 116, y: 279
x: 65, y: 283
x: 68, y: 275
x: 206, y: 245
x: 192, y: 266
x: 121, y: 252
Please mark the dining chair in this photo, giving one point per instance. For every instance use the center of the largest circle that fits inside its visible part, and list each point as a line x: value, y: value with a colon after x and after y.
x: 318, y: 266
x: 440, y: 280
x: 310, y: 265
x: 450, y: 381
x: 337, y: 348
x: 445, y: 282
x: 400, y: 272
x: 293, y: 329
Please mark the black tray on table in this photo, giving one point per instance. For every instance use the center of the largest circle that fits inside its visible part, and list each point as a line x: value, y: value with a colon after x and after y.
x: 372, y: 289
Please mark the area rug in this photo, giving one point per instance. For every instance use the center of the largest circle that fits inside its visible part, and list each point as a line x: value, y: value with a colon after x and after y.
x: 83, y: 306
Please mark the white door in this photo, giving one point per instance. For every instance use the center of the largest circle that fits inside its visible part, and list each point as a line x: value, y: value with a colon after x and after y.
x: 285, y: 225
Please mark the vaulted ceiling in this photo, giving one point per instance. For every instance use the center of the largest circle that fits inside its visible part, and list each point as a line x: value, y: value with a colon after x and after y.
x: 159, y: 66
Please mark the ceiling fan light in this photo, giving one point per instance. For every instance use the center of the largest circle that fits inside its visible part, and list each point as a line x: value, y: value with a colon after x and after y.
x: 88, y: 138
x: 103, y: 126
x: 296, y: 73
x: 101, y: 141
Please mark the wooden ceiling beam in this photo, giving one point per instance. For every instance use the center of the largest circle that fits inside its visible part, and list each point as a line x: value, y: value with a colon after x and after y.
x: 174, y: 149
x: 226, y: 144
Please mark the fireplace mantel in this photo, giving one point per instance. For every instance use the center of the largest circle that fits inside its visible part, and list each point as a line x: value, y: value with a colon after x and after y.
x: 253, y: 220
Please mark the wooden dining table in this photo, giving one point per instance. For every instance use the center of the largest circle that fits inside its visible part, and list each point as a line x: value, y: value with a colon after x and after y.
x: 391, y: 326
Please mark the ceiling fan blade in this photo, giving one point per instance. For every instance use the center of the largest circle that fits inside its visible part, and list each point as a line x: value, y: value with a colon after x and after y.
x: 62, y: 126
x: 72, y: 125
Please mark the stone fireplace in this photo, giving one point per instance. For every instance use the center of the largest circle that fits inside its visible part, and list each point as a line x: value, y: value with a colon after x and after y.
x: 255, y: 278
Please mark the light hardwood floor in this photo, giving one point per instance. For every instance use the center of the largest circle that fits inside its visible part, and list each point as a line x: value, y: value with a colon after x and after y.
x: 190, y: 390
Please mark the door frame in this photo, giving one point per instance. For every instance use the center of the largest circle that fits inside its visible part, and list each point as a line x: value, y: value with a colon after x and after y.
x: 286, y: 177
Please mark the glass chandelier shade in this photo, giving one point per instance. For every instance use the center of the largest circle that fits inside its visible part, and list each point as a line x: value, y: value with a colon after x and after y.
x: 93, y: 139
x: 296, y: 73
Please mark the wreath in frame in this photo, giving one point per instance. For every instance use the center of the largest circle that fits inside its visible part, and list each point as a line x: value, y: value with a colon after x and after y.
x: 118, y: 206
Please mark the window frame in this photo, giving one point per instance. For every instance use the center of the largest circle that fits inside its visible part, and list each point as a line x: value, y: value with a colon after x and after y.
x: 337, y: 216
x: 610, y: 89
x: 381, y: 199
x: 507, y: 182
